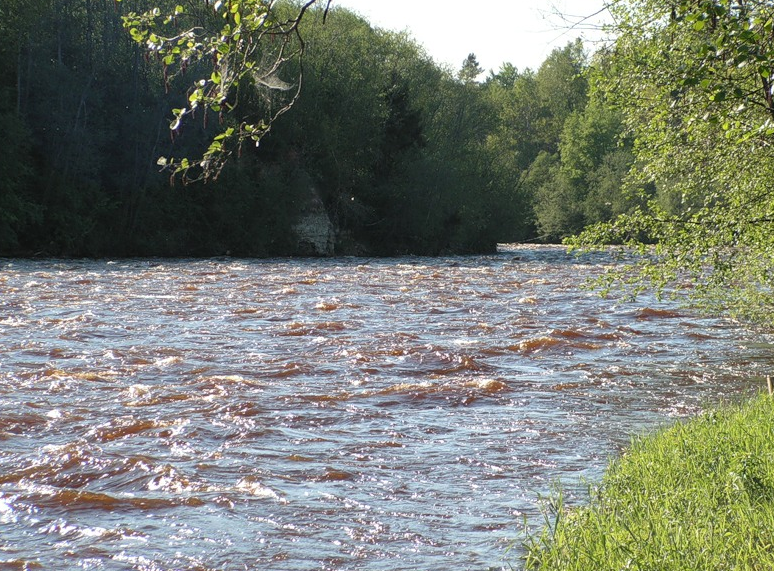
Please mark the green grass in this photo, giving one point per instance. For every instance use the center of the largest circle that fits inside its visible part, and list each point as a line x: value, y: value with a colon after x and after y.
x: 696, y: 496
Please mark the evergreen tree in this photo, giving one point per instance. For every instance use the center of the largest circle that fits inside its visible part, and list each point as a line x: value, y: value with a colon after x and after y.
x: 470, y: 69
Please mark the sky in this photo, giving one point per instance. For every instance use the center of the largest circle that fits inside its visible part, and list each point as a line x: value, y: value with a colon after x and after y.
x: 521, y: 32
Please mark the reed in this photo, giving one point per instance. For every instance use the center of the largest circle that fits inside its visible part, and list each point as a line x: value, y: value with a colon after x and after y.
x: 698, y: 495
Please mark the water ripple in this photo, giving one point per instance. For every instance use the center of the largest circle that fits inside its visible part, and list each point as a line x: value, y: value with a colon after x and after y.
x: 325, y: 414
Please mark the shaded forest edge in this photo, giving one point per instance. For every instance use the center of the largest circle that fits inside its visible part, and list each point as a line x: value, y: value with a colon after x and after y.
x: 385, y: 153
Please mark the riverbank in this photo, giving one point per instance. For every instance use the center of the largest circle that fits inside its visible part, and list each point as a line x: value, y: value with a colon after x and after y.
x: 696, y: 495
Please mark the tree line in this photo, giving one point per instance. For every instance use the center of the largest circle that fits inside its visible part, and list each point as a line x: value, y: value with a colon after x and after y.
x: 402, y: 155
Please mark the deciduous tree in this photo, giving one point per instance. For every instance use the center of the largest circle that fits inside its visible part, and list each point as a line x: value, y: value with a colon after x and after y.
x: 693, y: 80
x: 229, y: 47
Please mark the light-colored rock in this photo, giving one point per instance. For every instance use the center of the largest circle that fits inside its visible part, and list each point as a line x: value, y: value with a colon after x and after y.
x: 315, y: 233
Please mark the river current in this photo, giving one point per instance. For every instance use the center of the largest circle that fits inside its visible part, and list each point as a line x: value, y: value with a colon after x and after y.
x: 341, y: 414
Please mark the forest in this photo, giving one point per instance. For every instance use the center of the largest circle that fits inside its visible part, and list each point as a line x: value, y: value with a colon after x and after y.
x: 395, y: 153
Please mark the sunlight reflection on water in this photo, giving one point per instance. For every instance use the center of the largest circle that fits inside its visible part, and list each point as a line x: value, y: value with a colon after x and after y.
x: 325, y: 414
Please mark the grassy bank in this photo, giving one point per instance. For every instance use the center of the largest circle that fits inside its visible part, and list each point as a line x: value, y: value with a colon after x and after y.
x: 696, y: 496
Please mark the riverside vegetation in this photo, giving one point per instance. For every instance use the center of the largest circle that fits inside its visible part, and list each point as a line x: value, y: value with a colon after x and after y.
x: 697, y: 495
x: 402, y: 154
x: 662, y: 142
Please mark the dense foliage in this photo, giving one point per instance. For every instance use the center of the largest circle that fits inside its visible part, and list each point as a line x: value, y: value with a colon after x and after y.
x: 234, y: 48
x: 693, y: 81
x: 396, y: 153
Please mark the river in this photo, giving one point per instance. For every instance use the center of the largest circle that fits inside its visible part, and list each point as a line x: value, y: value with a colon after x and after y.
x: 342, y: 414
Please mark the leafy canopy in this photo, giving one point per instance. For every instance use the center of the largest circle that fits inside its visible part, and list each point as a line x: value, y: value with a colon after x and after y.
x: 694, y: 82
x: 229, y: 46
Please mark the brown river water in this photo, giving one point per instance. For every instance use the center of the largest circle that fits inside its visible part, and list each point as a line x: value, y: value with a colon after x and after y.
x: 382, y: 414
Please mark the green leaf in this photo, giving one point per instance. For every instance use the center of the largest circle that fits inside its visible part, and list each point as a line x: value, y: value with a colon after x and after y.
x: 718, y: 96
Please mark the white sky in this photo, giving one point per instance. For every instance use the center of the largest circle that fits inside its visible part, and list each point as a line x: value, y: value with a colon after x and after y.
x: 522, y: 32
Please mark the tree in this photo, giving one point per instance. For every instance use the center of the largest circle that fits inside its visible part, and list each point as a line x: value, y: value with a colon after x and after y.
x: 231, y: 46
x: 505, y: 77
x: 470, y: 69
x: 392, y: 143
x: 693, y: 80
x: 12, y: 160
x: 562, y: 89
x: 586, y: 184
x: 402, y: 155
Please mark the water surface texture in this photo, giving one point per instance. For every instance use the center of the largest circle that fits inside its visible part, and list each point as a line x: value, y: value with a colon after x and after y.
x: 324, y: 414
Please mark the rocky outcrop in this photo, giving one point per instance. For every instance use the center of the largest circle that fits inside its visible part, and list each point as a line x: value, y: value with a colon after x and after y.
x: 315, y: 233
